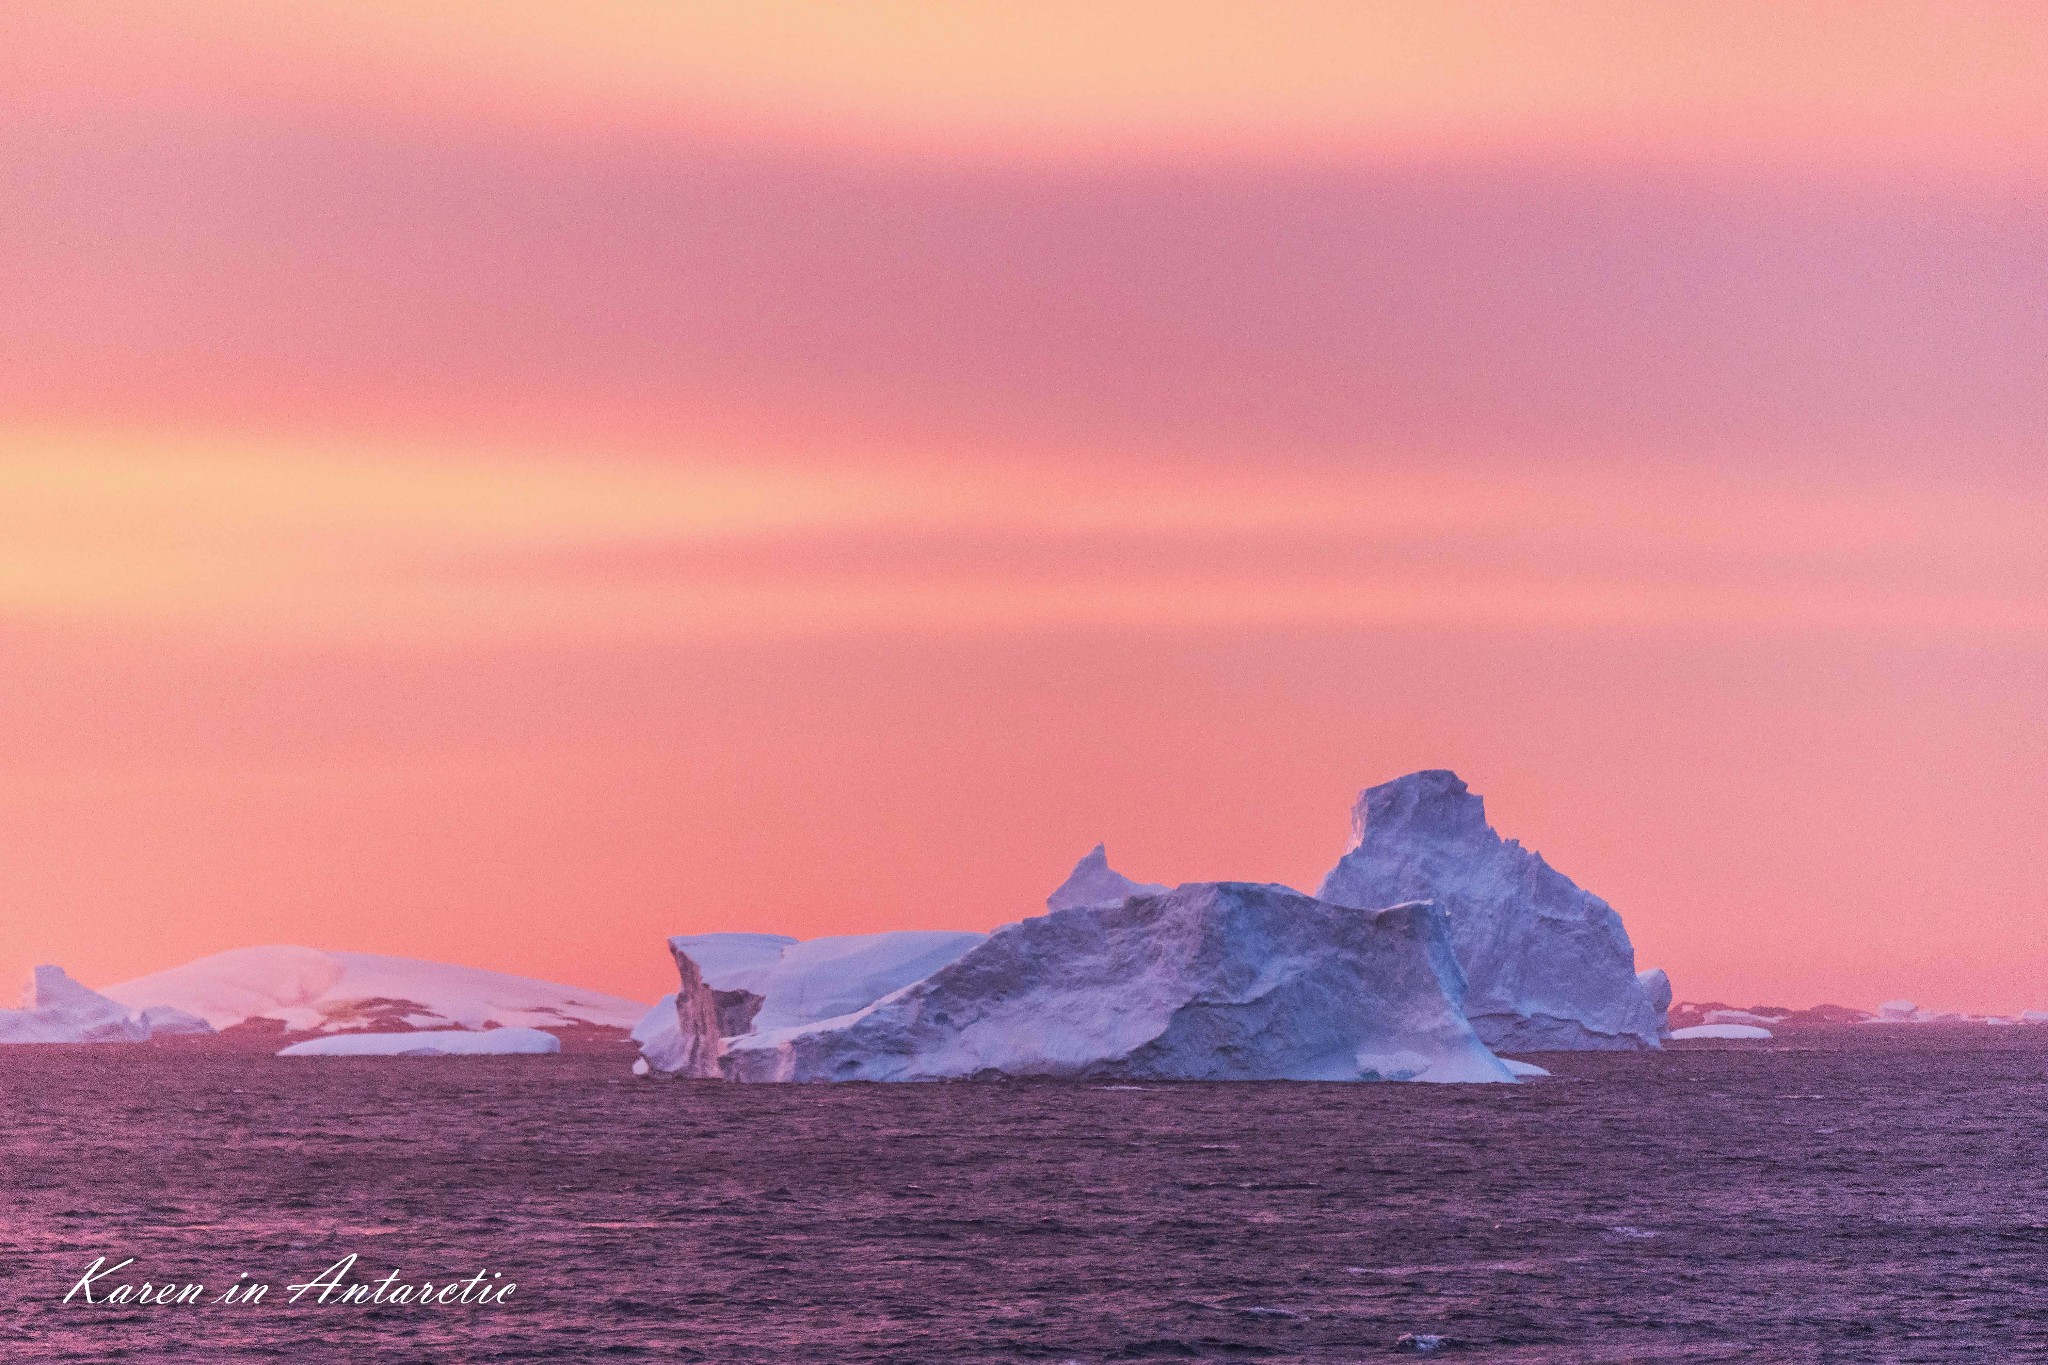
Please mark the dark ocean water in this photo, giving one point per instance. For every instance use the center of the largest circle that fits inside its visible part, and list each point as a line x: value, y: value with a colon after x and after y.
x: 1856, y: 1195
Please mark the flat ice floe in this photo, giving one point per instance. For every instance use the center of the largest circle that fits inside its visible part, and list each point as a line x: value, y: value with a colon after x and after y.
x: 490, y: 1042
x: 311, y: 990
x: 1726, y: 1031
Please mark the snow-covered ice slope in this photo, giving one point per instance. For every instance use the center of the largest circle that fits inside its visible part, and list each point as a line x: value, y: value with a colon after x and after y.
x: 1212, y: 981
x: 1546, y: 964
x: 490, y: 1042
x: 59, y: 1010
x: 312, y: 990
x: 1094, y: 882
x: 820, y: 978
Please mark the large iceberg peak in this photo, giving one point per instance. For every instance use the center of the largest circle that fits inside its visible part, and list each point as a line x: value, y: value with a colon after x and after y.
x: 1094, y: 882
x: 1547, y: 964
x: 1434, y: 803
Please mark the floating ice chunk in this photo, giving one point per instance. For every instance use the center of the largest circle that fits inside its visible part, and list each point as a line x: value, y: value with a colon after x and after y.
x: 1546, y: 964
x: 60, y: 1010
x: 1720, y: 1031
x: 492, y: 1042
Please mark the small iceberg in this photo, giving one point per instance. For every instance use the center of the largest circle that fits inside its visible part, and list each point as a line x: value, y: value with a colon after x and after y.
x: 490, y: 1042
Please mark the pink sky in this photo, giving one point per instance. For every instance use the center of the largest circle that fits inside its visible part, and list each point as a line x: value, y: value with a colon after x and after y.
x: 506, y: 483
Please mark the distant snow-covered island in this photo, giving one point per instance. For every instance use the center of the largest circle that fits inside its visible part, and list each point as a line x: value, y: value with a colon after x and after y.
x: 300, y: 996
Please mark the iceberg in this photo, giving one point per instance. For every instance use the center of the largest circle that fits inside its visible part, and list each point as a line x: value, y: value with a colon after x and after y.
x: 490, y: 1042
x: 309, y: 990
x: 60, y: 1010
x: 1211, y: 981
x: 1094, y: 882
x: 1547, y: 965
x: 801, y: 982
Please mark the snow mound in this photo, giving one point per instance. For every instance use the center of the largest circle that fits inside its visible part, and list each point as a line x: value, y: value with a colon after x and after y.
x: 1547, y: 965
x: 1720, y: 1031
x: 490, y: 1042
x: 314, y: 991
x: 802, y: 982
x: 59, y: 1010
x: 1094, y: 882
x: 1212, y: 981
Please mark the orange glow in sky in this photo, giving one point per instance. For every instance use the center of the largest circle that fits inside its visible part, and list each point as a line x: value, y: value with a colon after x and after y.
x: 509, y: 482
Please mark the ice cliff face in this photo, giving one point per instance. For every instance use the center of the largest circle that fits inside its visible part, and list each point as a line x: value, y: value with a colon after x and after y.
x: 1213, y: 981
x: 679, y: 1036
x: 59, y: 1010
x: 734, y: 962
x: 1546, y: 964
x: 1657, y: 992
x: 1094, y: 882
